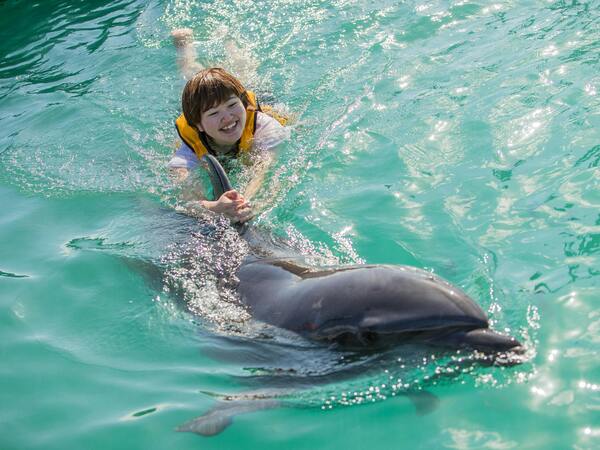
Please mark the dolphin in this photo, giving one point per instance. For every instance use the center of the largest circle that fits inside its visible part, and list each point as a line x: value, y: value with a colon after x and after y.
x: 360, y: 306
x: 366, y: 306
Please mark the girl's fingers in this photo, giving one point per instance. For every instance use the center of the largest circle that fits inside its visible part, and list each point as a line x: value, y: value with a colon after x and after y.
x: 233, y: 195
x: 236, y: 206
x: 244, y: 214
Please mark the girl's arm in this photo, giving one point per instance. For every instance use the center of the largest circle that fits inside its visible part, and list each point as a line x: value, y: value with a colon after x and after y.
x: 270, y: 134
x: 183, y: 39
x: 231, y: 203
x: 190, y: 189
x: 260, y: 166
x: 181, y: 165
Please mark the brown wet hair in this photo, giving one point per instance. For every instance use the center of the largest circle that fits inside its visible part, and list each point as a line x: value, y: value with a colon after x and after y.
x: 207, y: 89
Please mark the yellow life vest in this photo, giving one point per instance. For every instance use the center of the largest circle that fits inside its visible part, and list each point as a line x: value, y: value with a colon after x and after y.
x: 198, y: 141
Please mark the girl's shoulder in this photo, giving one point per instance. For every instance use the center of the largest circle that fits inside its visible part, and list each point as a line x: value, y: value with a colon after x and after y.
x: 269, y: 132
x: 184, y: 158
x: 264, y: 120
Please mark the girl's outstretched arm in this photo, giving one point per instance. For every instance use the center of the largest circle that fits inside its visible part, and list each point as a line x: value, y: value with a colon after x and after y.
x: 183, y: 39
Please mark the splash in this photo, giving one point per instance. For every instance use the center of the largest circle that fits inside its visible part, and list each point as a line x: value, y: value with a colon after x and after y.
x: 202, y: 270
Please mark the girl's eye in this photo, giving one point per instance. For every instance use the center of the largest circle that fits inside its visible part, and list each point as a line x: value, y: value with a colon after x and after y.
x: 233, y: 104
x: 214, y: 113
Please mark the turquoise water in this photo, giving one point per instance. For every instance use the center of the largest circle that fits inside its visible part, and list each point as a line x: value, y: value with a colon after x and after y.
x: 457, y: 136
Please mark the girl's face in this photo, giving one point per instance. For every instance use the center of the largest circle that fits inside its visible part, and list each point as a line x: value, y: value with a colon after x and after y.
x: 225, y: 122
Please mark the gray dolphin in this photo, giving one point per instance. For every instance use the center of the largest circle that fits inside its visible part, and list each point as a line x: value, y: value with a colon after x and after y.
x: 366, y: 306
x: 361, y: 306
x: 355, y: 307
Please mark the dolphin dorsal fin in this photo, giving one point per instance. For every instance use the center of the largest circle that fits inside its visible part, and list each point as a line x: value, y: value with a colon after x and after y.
x: 218, y: 177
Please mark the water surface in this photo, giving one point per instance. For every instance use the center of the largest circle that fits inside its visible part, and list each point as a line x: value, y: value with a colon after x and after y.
x: 456, y: 136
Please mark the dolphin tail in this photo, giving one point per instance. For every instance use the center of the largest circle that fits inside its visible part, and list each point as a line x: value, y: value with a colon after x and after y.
x: 221, y: 416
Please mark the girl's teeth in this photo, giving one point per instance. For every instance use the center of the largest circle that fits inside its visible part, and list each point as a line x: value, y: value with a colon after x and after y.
x: 229, y: 127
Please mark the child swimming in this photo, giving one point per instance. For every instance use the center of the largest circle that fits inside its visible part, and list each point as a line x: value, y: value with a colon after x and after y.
x: 222, y: 118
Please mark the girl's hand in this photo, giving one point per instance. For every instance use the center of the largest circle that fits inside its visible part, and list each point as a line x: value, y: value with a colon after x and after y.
x: 232, y: 204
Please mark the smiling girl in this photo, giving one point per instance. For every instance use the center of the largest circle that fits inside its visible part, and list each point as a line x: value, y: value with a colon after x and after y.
x: 222, y: 118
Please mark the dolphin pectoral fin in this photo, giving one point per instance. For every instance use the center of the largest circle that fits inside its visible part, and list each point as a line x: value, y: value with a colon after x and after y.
x: 221, y: 416
x: 423, y: 401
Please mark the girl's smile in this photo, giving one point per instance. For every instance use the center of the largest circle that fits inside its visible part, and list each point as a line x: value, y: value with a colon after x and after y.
x: 224, y: 123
